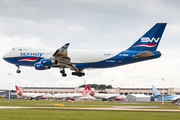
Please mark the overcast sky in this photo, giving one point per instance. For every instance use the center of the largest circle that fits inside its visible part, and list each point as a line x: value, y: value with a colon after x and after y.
x: 92, y: 25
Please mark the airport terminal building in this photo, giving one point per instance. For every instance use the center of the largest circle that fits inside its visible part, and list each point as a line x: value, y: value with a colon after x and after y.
x: 123, y: 91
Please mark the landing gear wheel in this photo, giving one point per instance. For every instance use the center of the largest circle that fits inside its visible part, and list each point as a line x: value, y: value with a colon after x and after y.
x: 83, y: 74
x: 79, y: 74
x: 64, y: 74
x: 61, y: 71
x: 74, y: 73
x: 18, y: 71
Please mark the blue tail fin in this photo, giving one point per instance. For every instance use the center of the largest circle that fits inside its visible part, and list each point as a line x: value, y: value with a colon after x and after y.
x: 150, y: 40
x: 156, y: 92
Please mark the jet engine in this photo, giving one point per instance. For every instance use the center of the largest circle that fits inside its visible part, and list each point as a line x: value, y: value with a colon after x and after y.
x: 48, y: 62
x: 44, y: 98
x: 38, y: 66
x: 118, y: 99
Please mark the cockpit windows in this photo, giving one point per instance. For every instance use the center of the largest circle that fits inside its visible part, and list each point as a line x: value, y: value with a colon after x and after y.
x: 19, y: 49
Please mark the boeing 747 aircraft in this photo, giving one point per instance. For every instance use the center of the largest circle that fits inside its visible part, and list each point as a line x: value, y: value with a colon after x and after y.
x: 78, y: 60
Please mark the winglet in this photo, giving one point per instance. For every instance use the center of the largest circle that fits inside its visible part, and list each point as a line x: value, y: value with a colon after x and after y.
x: 62, y: 51
x: 156, y: 92
x: 65, y: 46
x: 18, y: 91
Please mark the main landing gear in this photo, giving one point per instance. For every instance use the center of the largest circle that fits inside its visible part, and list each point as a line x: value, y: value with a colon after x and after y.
x: 63, y: 72
x: 18, y: 71
x: 78, y: 73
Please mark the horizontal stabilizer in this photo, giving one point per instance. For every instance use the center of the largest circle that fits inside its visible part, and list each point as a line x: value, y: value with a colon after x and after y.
x: 144, y: 54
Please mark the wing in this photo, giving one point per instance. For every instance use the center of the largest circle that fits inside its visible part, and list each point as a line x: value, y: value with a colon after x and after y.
x: 61, y: 55
x: 37, y: 96
x: 77, y: 95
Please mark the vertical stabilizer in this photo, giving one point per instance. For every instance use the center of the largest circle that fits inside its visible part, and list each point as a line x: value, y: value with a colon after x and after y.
x: 156, y: 92
x: 18, y: 91
x: 84, y: 91
x: 150, y: 40
x: 90, y: 90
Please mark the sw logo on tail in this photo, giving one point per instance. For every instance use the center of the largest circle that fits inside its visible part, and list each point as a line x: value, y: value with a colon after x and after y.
x: 78, y: 60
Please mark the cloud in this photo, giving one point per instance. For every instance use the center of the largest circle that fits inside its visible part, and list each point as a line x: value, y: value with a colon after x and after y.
x: 93, y: 25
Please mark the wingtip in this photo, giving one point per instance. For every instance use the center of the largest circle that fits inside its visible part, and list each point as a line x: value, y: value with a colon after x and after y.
x: 65, y: 46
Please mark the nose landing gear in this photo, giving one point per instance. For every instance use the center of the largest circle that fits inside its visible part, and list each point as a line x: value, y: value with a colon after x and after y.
x: 18, y: 71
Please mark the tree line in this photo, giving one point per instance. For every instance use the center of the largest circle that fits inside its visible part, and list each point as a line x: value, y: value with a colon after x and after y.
x: 98, y: 87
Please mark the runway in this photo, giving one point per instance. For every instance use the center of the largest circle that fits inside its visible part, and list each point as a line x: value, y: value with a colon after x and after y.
x: 129, y: 108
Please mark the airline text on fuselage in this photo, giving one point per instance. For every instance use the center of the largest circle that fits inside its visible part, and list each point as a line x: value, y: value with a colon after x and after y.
x: 31, y: 54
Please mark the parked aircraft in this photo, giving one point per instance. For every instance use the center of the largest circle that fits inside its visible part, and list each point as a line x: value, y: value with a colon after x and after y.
x: 158, y: 95
x: 78, y: 60
x: 31, y: 96
x: 70, y: 96
x: 104, y: 96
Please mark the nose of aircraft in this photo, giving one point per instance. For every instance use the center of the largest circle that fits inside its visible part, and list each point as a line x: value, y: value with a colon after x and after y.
x: 5, y: 56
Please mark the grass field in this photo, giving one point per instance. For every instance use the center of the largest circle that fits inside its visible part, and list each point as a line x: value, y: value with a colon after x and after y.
x: 70, y: 114
x: 52, y: 114
x: 50, y: 103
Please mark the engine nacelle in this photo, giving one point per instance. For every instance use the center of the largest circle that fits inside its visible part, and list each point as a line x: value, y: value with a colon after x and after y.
x: 118, y: 98
x: 38, y: 66
x: 71, y: 98
x: 48, y: 62
x: 44, y: 98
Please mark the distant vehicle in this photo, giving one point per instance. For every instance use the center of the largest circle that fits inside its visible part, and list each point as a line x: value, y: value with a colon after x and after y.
x: 158, y: 95
x: 70, y: 96
x: 31, y: 96
x: 104, y: 96
x: 78, y: 60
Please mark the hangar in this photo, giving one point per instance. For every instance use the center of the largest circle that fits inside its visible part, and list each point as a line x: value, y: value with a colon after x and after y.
x: 138, y: 97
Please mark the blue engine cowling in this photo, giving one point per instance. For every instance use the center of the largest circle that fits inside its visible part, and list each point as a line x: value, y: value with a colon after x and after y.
x: 48, y: 62
x: 38, y: 66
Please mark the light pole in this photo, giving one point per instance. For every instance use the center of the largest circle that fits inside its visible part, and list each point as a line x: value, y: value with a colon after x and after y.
x: 84, y: 82
x: 133, y: 91
x: 112, y: 87
x: 9, y: 84
x: 163, y: 91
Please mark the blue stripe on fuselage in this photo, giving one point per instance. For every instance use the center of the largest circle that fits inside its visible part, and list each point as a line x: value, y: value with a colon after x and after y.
x: 166, y: 96
x: 25, y: 62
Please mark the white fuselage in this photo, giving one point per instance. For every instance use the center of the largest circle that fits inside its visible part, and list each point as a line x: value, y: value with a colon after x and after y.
x: 108, y: 96
x: 77, y: 56
x: 32, y: 95
x: 64, y: 96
